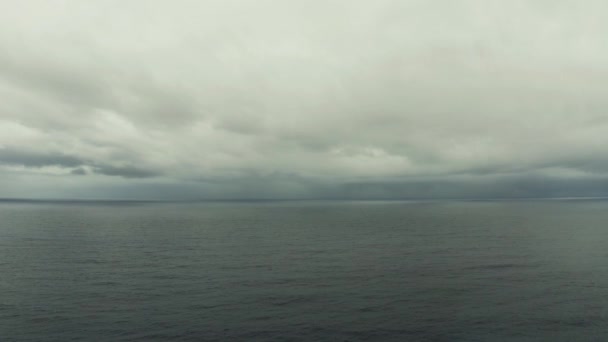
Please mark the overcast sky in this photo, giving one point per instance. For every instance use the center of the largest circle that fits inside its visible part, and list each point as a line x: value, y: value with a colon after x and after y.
x: 303, y: 98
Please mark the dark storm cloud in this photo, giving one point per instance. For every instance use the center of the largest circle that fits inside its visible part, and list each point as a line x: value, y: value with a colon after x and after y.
x: 35, y: 159
x: 79, y: 171
x: 292, y: 99
x: 124, y: 171
x: 30, y: 159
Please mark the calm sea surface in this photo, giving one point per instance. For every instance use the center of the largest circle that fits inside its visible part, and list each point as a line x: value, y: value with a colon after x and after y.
x: 304, y: 271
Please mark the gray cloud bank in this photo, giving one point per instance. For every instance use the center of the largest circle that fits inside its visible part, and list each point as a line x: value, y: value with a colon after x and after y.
x: 303, y: 99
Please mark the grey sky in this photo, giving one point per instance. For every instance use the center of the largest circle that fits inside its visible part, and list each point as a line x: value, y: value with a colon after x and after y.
x: 303, y: 99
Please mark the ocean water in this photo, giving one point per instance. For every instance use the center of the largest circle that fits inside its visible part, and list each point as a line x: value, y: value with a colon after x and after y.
x: 304, y: 271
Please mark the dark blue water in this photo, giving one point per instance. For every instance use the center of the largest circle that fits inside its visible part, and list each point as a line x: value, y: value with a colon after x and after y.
x: 304, y: 271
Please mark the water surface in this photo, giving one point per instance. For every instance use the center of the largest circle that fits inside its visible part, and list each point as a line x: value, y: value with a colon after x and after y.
x: 304, y: 271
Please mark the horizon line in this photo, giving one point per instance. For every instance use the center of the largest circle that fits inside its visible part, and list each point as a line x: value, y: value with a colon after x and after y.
x: 210, y: 200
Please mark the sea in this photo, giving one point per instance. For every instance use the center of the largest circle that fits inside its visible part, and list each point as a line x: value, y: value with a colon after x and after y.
x: 517, y: 270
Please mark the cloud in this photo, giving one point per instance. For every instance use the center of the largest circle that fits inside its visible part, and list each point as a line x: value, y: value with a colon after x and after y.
x: 79, y: 171
x: 37, y: 160
x: 127, y: 172
x: 281, y: 99
x: 74, y: 165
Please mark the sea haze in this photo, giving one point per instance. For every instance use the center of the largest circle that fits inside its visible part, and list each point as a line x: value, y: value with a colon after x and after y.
x: 304, y: 271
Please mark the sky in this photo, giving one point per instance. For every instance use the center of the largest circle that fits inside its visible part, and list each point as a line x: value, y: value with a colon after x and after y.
x: 289, y: 99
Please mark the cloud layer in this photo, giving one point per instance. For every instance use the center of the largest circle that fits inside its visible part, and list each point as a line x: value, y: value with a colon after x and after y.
x: 303, y: 99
